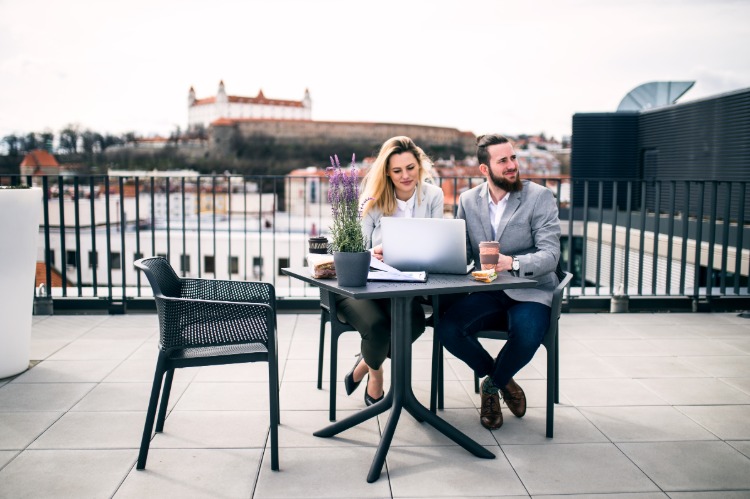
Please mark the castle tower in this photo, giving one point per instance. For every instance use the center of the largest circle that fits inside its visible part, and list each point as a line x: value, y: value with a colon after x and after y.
x: 191, y: 96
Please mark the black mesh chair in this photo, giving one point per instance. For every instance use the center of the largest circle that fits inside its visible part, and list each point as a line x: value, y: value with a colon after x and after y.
x: 550, y: 342
x: 206, y: 322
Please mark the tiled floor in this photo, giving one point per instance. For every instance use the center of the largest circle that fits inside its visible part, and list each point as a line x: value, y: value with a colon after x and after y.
x: 652, y: 406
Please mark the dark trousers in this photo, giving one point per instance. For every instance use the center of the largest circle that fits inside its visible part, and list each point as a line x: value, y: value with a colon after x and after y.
x: 527, y: 322
x: 372, y: 318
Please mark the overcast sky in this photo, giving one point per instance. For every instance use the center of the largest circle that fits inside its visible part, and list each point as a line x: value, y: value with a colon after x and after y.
x: 476, y: 65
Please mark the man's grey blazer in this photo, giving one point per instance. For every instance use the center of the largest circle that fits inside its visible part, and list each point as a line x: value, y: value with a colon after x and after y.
x: 529, y: 229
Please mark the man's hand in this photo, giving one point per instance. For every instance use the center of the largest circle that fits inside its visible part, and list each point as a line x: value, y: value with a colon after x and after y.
x: 504, y: 263
x: 377, y: 252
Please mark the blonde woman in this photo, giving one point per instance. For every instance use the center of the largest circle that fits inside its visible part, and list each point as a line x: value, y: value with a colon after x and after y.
x: 395, y: 186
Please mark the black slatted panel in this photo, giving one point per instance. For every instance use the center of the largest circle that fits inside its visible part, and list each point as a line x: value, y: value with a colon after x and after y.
x: 605, y: 146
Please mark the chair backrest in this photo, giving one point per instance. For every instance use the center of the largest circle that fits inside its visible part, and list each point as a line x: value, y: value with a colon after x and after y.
x: 162, y: 277
x: 556, y: 307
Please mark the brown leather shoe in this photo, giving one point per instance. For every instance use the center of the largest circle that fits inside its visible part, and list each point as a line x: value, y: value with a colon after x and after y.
x: 490, y: 415
x: 514, y: 398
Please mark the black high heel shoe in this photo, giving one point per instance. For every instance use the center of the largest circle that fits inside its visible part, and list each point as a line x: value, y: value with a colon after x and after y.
x: 349, y: 384
x: 369, y: 400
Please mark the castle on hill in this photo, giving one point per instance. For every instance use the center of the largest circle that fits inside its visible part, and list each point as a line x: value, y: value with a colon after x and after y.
x: 203, y: 112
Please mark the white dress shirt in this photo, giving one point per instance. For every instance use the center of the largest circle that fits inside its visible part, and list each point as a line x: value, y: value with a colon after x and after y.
x: 496, y: 213
x: 405, y: 209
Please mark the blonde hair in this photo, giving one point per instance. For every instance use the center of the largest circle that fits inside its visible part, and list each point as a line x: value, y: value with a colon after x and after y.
x: 377, y: 187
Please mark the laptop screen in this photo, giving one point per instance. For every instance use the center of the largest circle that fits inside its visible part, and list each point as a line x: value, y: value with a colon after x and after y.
x: 436, y: 245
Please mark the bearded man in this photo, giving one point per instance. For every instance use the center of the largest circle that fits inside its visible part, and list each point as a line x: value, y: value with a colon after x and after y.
x: 523, y: 217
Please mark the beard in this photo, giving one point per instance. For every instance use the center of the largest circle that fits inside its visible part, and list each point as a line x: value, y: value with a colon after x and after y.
x: 504, y: 184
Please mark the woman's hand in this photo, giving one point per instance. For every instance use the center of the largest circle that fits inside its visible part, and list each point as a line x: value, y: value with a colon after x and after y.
x: 377, y: 252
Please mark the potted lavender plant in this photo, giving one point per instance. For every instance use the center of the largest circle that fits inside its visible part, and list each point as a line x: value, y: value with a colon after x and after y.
x: 351, y: 259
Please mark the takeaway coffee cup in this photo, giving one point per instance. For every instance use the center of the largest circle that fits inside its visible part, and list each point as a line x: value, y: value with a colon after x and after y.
x: 489, y: 254
x: 318, y: 245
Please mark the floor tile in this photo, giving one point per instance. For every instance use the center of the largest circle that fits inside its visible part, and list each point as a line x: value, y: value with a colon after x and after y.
x: 65, y: 473
x: 98, y: 349
x: 123, y: 397
x: 19, y: 429
x: 333, y: 473
x: 409, y: 432
x: 652, y: 367
x: 607, y: 392
x: 742, y: 446
x: 42, y: 396
x: 224, y: 397
x: 730, y: 422
x: 193, y: 473
x: 213, y: 429
x: 593, y: 367
x: 626, y: 495
x: 68, y: 371
x: 5, y: 457
x: 645, y: 424
x: 691, y: 466
x: 695, y: 347
x: 623, y: 348
x: 447, y: 471
x: 695, y: 391
x: 94, y: 430
x: 739, y: 383
x: 297, y: 428
x: 251, y: 371
x: 724, y: 494
x: 569, y: 427
x: 576, y: 469
x: 724, y: 366
x: 120, y: 333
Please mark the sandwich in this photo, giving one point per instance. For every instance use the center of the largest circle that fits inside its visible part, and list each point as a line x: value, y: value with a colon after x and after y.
x: 321, y: 266
x: 484, y: 275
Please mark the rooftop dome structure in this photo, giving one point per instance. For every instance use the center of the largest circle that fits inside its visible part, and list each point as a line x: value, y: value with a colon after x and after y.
x: 654, y: 94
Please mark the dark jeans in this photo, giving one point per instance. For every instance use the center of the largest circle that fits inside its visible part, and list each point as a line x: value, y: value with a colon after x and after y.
x: 527, y: 322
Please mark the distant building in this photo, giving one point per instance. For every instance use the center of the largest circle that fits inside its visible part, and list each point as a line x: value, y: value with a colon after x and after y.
x: 203, y: 112
x: 38, y: 163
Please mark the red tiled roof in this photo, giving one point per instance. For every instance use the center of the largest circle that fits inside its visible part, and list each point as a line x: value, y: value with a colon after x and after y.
x: 41, y: 276
x: 39, y: 157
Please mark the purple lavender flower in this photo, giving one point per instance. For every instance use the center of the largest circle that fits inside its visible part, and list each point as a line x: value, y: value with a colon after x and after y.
x: 343, y: 194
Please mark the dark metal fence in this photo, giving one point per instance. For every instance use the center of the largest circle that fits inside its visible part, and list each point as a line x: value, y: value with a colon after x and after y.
x: 663, y: 244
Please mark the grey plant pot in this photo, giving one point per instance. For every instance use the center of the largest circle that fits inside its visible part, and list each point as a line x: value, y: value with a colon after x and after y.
x: 352, y: 268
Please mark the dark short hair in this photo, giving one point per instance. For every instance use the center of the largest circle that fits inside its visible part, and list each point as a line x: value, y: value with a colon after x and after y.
x: 484, y: 141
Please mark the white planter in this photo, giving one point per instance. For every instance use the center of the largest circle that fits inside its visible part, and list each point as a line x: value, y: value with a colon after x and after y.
x: 19, y: 230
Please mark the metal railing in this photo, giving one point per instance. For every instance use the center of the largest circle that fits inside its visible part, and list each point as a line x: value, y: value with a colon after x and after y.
x: 671, y: 243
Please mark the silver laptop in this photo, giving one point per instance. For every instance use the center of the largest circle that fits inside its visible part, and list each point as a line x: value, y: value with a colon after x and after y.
x: 436, y: 245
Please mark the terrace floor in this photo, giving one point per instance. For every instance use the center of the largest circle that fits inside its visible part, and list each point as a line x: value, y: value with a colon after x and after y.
x: 652, y: 406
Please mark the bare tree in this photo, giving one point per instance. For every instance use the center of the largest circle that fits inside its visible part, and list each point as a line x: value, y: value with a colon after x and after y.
x: 69, y: 139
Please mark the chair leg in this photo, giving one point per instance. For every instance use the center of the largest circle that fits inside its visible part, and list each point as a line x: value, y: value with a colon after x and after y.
x: 275, y: 411
x: 476, y: 384
x: 552, y: 381
x: 164, y: 401
x: 435, y: 379
x: 441, y: 379
x: 334, y: 358
x: 151, y: 412
x: 557, y: 367
x: 321, y: 349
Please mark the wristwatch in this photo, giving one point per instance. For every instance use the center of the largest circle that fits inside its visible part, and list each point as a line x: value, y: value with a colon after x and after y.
x: 515, y: 266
